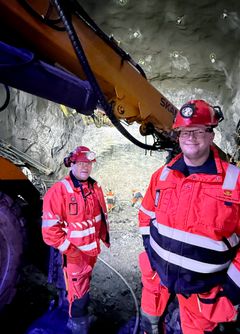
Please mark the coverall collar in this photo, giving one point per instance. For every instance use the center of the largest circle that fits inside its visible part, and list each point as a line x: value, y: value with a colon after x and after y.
x: 77, y: 183
x: 209, y: 166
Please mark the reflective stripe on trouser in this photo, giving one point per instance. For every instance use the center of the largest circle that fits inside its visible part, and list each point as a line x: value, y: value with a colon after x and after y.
x: 149, y: 323
x: 78, y: 276
x: 199, y: 313
x: 202, y: 312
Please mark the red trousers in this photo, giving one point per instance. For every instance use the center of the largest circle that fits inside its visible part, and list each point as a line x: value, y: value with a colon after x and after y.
x: 77, y: 275
x: 196, y: 313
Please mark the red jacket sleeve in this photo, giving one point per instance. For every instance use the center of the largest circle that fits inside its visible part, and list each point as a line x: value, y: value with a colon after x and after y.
x: 147, y: 209
x: 54, y: 229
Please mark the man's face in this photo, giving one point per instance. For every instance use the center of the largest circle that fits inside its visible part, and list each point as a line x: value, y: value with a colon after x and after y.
x: 82, y: 170
x: 195, y: 142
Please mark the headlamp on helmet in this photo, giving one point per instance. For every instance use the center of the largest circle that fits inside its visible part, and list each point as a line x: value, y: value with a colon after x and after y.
x: 80, y: 154
x: 198, y: 112
x: 90, y: 155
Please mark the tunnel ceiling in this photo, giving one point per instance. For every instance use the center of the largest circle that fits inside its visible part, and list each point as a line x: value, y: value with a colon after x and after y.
x: 188, y: 49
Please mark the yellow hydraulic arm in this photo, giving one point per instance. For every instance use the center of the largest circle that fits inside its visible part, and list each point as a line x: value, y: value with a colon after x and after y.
x: 35, y: 25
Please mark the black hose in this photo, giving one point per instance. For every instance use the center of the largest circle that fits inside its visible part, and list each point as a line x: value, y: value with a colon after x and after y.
x: 53, y: 23
x: 5, y: 104
x: 91, y: 78
x: 80, y: 12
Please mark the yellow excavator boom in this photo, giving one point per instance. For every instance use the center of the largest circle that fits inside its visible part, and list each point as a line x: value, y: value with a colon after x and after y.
x: 131, y: 95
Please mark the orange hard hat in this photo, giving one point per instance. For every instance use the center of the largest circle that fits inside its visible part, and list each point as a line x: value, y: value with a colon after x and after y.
x: 198, y: 112
x: 80, y: 154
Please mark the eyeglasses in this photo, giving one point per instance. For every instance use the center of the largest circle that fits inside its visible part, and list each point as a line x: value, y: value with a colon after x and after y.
x: 199, y: 134
x: 84, y: 163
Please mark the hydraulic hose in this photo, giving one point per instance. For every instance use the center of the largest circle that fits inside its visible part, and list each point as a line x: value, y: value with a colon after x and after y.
x: 109, y: 40
x: 6, y: 102
x: 136, y: 326
x: 43, y: 18
x: 91, y: 78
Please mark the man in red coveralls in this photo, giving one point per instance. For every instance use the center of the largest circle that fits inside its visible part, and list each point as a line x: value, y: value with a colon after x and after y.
x: 190, y: 223
x: 74, y: 222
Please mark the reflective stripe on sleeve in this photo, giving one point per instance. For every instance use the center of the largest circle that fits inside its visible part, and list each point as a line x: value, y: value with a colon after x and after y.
x: 149, y: 213
x: 49, y: 222
x: 231, y: 177
x: 67, y: 186
x: 144, y: 230
x: 64, y: 246
x: 234, y: 274
x: 88, y: 247
x: 190, y: 264
x: 164, y: 173
x: 83, y: 233
x: 194, y: 239
x: 98, y: 218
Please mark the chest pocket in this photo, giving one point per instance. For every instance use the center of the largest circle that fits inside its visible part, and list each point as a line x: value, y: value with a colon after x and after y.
x: 221, y: 209
x: 72, y: 206
x: 73, y: 209
x: 164, y: 196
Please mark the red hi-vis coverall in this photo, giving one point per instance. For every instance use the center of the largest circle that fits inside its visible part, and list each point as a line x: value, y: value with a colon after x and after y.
x: 74, y: 221
x: 191, y: 228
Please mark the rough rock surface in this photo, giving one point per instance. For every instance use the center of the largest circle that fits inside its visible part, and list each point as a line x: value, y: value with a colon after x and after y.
x: 188, y: 49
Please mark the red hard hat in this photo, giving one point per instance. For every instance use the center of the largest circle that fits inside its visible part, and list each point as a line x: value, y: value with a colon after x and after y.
x: 81, y: 153
x: 198, y: 112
